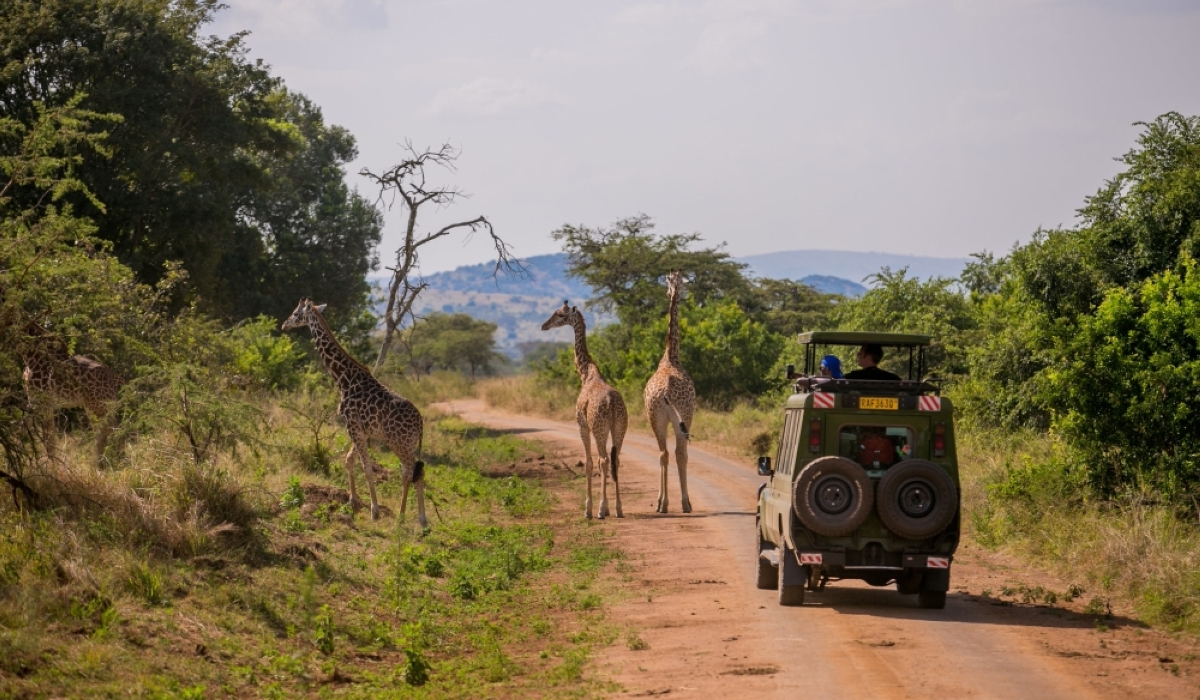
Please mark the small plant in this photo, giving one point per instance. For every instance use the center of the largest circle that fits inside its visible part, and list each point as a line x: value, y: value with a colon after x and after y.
x: 146, y: 584
x: 1097, y: 606
x: 636, y: 643
x: 293, y: 495
x: 415, y: 670
x: 464, y: 588
x: 324, y: 632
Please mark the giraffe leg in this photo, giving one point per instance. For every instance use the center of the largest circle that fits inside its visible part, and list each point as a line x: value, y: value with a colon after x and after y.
x: 659, y: 425
x: 614, y: 463
x: 681, y: 461
x: 602, y: 448
x: 349, y: 460
x: 369, y: 470
x: 412, y: 471
x: 587, y: 466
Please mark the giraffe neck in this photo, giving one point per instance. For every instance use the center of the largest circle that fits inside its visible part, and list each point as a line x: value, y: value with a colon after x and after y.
x: 583, y: 360
x: 672, y: 352
x: 344, y: 368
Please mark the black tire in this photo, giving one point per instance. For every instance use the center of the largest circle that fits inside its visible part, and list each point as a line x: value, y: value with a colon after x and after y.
x: 932, y: 600
x: 766, y: 576
x: 790, y: 595
x: 832, y: 496
x: 916, y: 499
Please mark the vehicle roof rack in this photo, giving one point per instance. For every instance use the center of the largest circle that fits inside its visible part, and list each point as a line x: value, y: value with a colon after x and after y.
x: 906, y: 340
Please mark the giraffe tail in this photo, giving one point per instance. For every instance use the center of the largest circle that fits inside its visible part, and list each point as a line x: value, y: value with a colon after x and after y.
x: 418, y: 465
x: 681, y: 429
x: 613, y: 462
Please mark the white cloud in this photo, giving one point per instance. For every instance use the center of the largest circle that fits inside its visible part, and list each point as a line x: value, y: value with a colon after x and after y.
x: 490, y: 97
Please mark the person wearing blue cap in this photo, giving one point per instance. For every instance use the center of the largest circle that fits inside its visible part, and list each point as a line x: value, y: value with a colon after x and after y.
x: 831, y: 366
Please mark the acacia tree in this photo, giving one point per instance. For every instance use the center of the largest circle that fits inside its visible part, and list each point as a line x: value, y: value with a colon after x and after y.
x: 409, y: 182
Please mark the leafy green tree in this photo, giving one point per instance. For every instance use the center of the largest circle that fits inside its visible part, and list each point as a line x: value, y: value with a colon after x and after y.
x: 626, y: 262
x: 1126, y: 391
x: 453, y: 341
x: 901, y: 304
x: 214, y: 169
x: 788, y: 307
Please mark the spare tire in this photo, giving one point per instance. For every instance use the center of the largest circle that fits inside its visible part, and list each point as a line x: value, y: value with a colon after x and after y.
x: 832, y: 496
x: 916, y: 499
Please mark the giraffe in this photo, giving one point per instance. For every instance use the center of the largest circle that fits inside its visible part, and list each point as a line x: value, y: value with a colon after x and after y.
x: 670, y: 397
x: 370, y: 411
x: 600, y: 411
x: 55, y: 379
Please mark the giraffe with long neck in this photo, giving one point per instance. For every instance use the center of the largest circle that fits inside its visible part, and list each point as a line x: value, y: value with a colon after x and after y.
x: 670, y: 398
x: 56, y: 379
x: 600, y: 412
x: 370, y: 411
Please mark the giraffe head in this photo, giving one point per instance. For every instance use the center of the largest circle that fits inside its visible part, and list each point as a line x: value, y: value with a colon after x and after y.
x: 306, y: 312
x: 674, y: 282
x: 561, y: 317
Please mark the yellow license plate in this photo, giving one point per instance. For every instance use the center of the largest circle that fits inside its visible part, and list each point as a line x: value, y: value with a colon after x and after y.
x: 879, y: 404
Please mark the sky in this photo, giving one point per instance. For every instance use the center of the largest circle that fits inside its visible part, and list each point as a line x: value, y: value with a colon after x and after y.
x: 924, y: 128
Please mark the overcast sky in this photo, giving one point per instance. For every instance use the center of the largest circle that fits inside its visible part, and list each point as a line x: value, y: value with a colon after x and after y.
x: 928, y: 128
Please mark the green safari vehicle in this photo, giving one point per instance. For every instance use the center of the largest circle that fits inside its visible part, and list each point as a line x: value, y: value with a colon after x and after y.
x: 865, y: 481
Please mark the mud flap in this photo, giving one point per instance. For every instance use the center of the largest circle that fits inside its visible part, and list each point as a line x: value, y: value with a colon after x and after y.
x: 790, y: 570
x: 936, y: 580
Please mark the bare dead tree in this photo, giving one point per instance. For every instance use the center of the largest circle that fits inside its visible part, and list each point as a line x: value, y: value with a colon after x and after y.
x: 408, y: 182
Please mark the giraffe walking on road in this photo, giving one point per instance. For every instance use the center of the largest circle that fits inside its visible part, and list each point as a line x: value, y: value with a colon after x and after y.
x: 600, y: 412
x: 370, y: 410
x: 670, y: 398
x: 55, y: 379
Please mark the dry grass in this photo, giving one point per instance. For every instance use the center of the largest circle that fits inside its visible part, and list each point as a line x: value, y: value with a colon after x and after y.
x: 1018, y: 496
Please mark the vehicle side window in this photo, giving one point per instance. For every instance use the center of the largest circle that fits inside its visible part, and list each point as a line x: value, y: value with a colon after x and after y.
x: 786, y: 461
x: 876, y: 446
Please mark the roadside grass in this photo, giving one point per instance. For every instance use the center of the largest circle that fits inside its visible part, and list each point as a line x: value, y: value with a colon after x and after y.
x: 1019, y: 494
x: 249, y: 576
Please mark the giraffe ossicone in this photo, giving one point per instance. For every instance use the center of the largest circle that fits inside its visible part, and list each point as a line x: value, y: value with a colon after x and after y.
x: 670, y: 398
x: 370, y: 411
x: 599, y: 411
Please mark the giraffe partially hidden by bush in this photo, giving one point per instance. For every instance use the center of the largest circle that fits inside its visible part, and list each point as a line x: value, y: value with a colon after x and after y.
x: 370, y: 411
x: 670, y: 398
x: 56, y: 379
x: 600, y: 411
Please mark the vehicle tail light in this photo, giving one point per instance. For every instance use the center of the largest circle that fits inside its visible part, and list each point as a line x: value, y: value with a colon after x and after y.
x: 939, y: 440
x: 814, y: 436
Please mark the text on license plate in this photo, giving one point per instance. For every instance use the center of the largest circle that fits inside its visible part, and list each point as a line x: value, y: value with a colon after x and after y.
x: 883, y: 404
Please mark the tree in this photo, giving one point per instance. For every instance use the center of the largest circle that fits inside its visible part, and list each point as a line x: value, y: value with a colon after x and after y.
x: 214, y: 167
x: 409, y: 181
x: 788, y: 307
x: 626, y: 263
x: 452, y: 341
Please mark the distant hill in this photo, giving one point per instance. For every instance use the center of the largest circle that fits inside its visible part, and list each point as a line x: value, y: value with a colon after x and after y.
x: 799, y: 264
x: 519, y: 305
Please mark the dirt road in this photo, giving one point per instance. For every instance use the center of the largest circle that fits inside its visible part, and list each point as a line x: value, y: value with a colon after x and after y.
x: 710, y: 633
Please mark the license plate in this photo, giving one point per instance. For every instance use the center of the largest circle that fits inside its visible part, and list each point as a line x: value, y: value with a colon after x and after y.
x: 879, y: 404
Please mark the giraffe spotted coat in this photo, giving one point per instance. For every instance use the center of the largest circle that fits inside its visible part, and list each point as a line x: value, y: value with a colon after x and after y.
x: 670, y: 399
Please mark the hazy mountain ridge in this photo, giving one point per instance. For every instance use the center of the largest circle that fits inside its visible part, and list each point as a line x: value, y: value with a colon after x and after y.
x: 519, y: 304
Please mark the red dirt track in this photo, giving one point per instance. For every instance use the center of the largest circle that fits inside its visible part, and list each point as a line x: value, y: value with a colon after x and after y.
x: 710, y: 633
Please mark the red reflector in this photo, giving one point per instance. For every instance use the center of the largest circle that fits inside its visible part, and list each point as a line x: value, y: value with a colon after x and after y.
x: 939, y: 440
x: 814, y: 436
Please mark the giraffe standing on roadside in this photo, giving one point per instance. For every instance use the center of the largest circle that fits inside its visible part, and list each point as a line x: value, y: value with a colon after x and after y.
x: 370, y: 410
x: 600, y: 411
x: 670, y: 397
x: 56, y: 379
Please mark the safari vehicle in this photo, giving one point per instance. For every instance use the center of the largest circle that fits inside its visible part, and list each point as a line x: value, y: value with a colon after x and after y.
x: 865, y: 481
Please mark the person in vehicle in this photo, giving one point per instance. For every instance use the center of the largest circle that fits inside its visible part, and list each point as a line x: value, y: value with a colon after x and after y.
x: 831, y: 367
x: 869, y: 357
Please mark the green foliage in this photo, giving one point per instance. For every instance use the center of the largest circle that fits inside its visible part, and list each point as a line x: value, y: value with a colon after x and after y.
x: 264, y: 357
x: 787, y: 307
x: 902, y: 304
x: 323, y: 634
x: 415, y: 670
x: 626, y: 263
x: 213, y: 164
x: 453, y: 342
x: 293, y: 495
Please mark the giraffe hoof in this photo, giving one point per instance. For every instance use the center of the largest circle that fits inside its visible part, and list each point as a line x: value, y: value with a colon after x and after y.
x: 687, y: 507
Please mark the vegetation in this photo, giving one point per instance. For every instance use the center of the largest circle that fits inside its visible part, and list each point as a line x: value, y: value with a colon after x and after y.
x: 452, y: 342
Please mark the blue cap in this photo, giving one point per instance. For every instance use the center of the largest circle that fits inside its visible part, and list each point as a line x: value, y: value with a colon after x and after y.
x: 833, y: 364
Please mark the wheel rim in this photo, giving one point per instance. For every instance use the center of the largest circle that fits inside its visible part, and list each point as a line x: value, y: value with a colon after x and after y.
x: 916, y: 498
x: 833, y: 495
